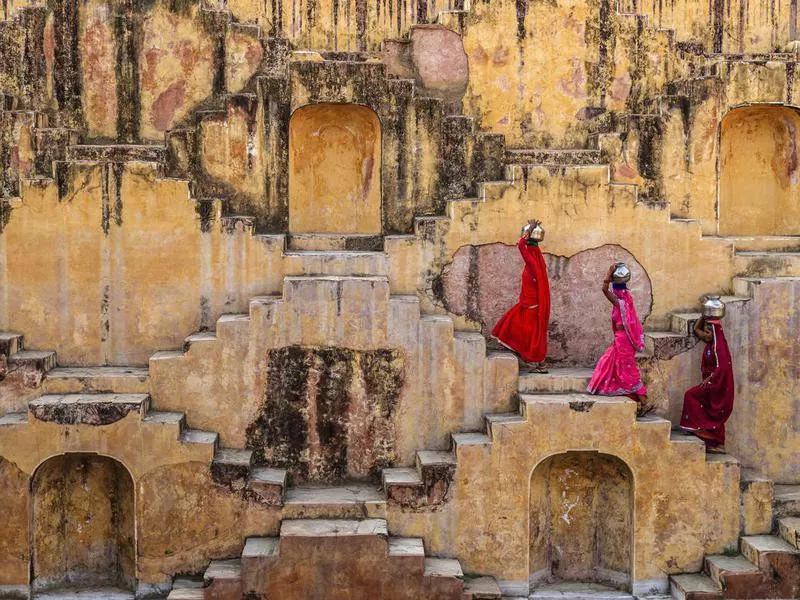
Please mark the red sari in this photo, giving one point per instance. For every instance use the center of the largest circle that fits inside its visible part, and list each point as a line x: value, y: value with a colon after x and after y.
x: 523, y: 328
x: 708, y: 405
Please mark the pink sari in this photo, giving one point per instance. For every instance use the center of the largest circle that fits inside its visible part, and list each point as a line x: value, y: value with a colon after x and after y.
x: 616, y: 373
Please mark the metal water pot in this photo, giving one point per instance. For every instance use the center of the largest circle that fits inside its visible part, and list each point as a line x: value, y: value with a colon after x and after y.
x: 713, y: 307
x: 621, y: 274
x: 537, y: 233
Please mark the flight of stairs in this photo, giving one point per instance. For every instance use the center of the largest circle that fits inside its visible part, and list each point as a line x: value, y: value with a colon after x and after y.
x: 349, y: 557
x: 766, y: 565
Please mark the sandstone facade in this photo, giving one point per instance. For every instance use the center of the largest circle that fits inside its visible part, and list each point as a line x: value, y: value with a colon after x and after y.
x: 251, y: 254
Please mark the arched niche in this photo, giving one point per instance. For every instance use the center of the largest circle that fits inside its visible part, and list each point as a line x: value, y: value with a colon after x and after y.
x: 759, y: 171
x: 581, y: 520
x: 83, y: 523
x: 334, y: 169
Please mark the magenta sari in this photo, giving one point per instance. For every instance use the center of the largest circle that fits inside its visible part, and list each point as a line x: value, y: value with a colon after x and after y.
x: 616, y: 373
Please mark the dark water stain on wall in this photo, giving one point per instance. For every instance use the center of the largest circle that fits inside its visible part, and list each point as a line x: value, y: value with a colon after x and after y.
x: 327, y: 413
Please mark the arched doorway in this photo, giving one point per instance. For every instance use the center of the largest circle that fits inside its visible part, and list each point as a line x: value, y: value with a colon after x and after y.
x: 82, y: 526
x: 334, y: 169
x: 759, y: 171
x: 581, y: 520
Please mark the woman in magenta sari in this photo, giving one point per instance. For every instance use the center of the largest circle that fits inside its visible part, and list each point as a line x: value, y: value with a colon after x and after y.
x: 708, y: 405
x: 616, y: 373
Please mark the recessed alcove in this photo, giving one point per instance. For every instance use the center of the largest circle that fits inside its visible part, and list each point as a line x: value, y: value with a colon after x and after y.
x: 759, y: 171
x: 581, y: 520
x: 334, y: 169
x: 83, y: 524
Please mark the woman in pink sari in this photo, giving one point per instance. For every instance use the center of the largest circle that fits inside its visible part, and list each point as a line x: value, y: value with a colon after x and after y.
x: 616, y: 373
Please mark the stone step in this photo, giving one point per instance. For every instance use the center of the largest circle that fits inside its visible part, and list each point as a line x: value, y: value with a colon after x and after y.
x: 718, y: 567
x: 768, y: 243
x: 694, y: 586
x: 231, y: 465
x: 787, y: 501
x: 559, y: 157
x: 117, y: 152
x: 269, y: 484
x: 789, y: 530
x: 118, y: 380
x: 495, y: 422
x: 407, y: 555
x: 87, y: 409
x: 258, y: 557
x: 197, y: 436
x: 340, y: 262
x: 471, y: 438
x: 664, y: 345
x: 200, y: 339
x: 353, y: 501
x: 767, y: 263
x: 557, y: 381
x: 327, y: 242
x: 323, y: 528
x: 568, y: 590
x: 757, y: 548
x: 13, y: 419
x: 223, y: 579
x: 10, y: 343
x: 186, y: 594
x: 683, y: 323
x: 429, y: 459
x: 481, y: 588
x: 443, y: 567
x: 39, y: 360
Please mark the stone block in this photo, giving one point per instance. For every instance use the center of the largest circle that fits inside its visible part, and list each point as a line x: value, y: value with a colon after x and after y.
x: 757, y: 500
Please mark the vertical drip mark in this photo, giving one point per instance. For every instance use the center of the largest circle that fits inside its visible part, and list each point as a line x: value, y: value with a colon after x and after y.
x: 105, y: 212
x: 606, y: 29
x: 792, y: 20
x: 273, y: 30
x: 400, y: 10
x: 67, y: 68
x: 378, y: 10
x: 522, y: 12
x: 118, y: 169
x: 790, y: 66
x: 335, y: 24
x: 719, y: 23
x: 361, y: 25
x: 422, y: 11
x: 106, y: 256
x: 127, y: 37
x: 742, y: 13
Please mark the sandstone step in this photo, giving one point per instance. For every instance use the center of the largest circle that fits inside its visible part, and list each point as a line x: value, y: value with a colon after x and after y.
x: 757, y: 548
x: 200, y: 338
x: 443, y: 567
x: 40, y: 360
x: 401, y: 477
x: 481, y: 588
x: 787, y: 501
x: 429, y: 459
x: 188, y: 582
x: 119, y: 380
x: 664, y: 345
x: 578, y: 591
x: 323, y: 528
x: 258, y: 557
x: 13, y: 419
x: 578, y: 402
x: 694, y: 586
x: 470, y: 439
x: 231, y: 464
x: 766, y: 243
x: 223, y: 579
x: 789, y: 530
x: 352, y: 501
x: 186, y: 594
x: 335, y: 263
x: 80, y: 593
x: 10, y: 343
x: 495, y: 422
x: 558, y: 157
x: 269, y: 484
x: 767, y: 263
x: 407, y: 556
x: 117, y: 152
x: 683, y: 323
x: 87, y: 409
x: 166, y: 418
x: 557, y: 381
x: 335, y: 241
x: 197, y: 436
x: 717, y: 567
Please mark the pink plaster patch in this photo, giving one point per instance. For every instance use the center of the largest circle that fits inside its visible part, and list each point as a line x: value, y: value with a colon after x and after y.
x: 483, y: 282
x: 164, y: 107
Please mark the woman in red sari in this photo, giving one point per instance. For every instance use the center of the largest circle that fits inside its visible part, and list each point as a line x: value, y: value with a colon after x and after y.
x: 708, y: 405
x: 616, y: 373
x: 523, y: 328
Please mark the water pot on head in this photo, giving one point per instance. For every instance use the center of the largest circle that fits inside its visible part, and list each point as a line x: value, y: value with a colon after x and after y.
x: 713, y: 307
x: 621, y: 274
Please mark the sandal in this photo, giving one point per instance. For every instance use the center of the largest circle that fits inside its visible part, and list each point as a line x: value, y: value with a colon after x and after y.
x: 715, y: 450
x: 644, y: 409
